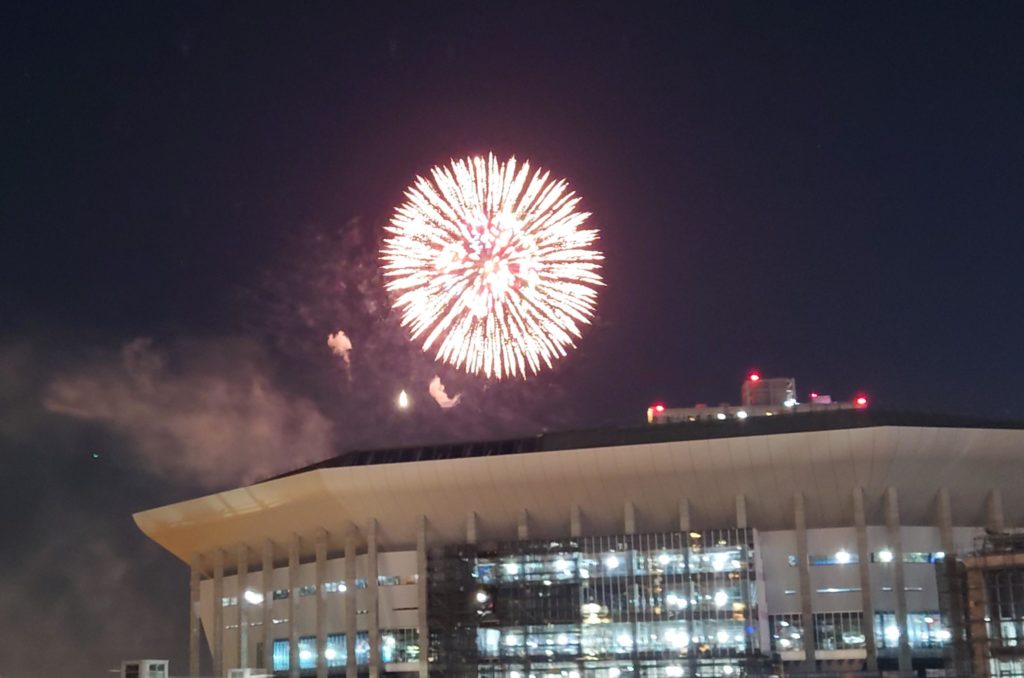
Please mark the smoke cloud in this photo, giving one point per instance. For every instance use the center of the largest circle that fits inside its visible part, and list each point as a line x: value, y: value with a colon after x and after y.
x: 207, y: 411
x: 437, y: 392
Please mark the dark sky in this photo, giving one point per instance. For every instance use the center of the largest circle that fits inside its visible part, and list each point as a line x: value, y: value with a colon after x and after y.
x: 192, y: 195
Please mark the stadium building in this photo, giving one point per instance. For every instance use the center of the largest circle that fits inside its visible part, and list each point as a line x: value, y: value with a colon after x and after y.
x: 836, y: 539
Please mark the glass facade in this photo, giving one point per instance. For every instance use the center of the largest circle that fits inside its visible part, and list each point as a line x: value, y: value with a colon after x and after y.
x: 661, y: 604
x: 396, y: 645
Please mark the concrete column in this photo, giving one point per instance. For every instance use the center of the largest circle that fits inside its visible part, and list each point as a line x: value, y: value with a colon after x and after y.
x: 899, y: 588
x: 321, y: 603
x: 741, y: 511
x: 421, y: 590
x: 945, y: 520
x: 193, y: 616
x: 575, y: 521
x: 523, y: 529
x: 372, y: 598
x: 994, y: 512
x: 471, y: 530
x: 684, y: 515
x: 351, y: 594
x: 218, y: 613
x: 629, y: 518
x: 243, y: 607
x: 867, y: 604
x: 293, y: 606
x: 806, y: 611
x: 268, y: 605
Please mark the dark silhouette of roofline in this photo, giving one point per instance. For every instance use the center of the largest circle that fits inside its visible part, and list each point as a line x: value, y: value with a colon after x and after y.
x: 656, y: 433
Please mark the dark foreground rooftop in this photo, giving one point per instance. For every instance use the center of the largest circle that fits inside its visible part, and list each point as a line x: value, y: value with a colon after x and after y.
x: 658, y: 433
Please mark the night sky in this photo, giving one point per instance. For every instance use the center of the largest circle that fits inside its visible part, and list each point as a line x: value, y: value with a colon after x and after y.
x: 192, y: 197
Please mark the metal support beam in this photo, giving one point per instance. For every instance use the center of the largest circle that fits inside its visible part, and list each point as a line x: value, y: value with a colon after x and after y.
x: 741, y: 511
x: 864, y: 567
x: 372, y: 597
x: 684, y: 515
x: 899, y: 588
x: 994, y: 512
x: 268, y: 604
x: 218, y: 613
x: 806, y: 611
x: 351, y: 594
x: 421, y: 594
x: 193, y: 616
x: 321, y: 603
x: 243, y: 607
x: 293, y: 607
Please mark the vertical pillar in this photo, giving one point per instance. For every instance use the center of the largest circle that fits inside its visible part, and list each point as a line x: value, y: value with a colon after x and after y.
x: 575, y: 521
x: 867, y: 604
x: 218, y: 613
x: 899, y: 588
x: 684, y: 515
x: 806, y: 611
x: 741, y: 511
x: 629, y: 518
x: 471, y: 528
x: 293, y: 606
x: 421, y: 592
x: 268, y: 605
x: 193, y: 617
x: 372, y: 597
x: 321, y: 603
x: 945, y: 520
x: 351, y: 595
x: 243, y: 607
x: 523, y: 531
x: 994, y: 512
x: 950, y: 588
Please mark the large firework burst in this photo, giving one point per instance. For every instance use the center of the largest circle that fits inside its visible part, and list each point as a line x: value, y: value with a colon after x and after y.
x: 489, y: 266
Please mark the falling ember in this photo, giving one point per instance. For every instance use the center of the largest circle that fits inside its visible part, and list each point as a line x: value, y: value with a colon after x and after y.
x: 490, y: 268
x: 403, y: 399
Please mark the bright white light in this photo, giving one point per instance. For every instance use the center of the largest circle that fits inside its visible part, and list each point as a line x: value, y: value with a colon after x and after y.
x: 789, y: 402
x: 614, y: 672
x: 511, y: 640
x: 722, y: 636
x: 939, y: 555
x: 785, y: 642
x: 929, y: 620
x: 330, y: 654
x: 253, y: 597
x: 305, y: 655
x: 563, y: 639
x: 511, y: 569
x: 742, y: 414
x: 943, y: 635
x: 673, y: 671
x: 562, y: 565
x: 664, y: 558
x: 403, y: 399
x: 514, y: 674
x: 727, y: 670
x: 672, y: 599
x: 584, y: 573
x: 721, y: 416
x: 481, y: 596
x: 718, y: 562
x: 574, y: 674
x: 624, y: 639
x: 721, y: 598
x: 892, y: 633
x: 611, y: 562
x: 885, y: 556
x: 842, y: 556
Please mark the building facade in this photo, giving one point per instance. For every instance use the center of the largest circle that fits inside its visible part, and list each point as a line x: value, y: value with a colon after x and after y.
x: 827, y: 541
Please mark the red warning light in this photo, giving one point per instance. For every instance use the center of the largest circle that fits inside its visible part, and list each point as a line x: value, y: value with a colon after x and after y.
x: 813, y: 395
x: 659, y: 408
x: 861, y: 401
x: 754, y: 376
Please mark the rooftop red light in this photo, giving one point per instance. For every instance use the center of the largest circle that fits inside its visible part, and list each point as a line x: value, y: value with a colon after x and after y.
x: 754, y: 376
x: 861, y: 401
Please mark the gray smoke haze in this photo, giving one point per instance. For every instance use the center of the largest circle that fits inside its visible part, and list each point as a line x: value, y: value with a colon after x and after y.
x: 206, y: 410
